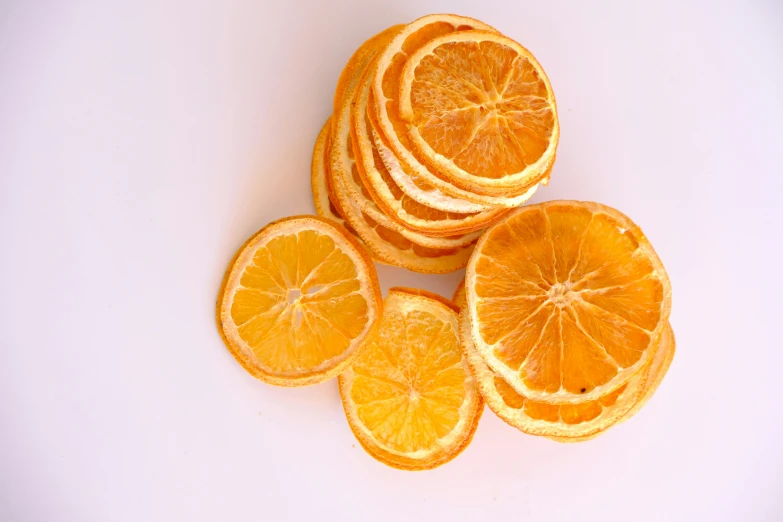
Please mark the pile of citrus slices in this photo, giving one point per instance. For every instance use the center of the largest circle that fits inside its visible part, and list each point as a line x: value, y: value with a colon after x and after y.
x: 441, y: 130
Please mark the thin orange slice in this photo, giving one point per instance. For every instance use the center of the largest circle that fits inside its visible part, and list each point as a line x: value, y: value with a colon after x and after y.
x: 394, y: 249
x: 409, y: 397
x: 389, y: 197
x: 567, y: 422
x: 323, y: 204
x: 566, y: 300
x: 390, y: 246
x: 413, y: 177
x: 343, y: 164
x: 480, y: 111
x: 297, y: 301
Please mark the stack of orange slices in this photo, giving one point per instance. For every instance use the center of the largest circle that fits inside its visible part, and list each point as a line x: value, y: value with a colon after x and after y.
x: 440, y: 129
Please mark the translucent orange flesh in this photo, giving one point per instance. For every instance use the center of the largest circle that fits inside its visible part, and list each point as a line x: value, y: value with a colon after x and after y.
x: 567, y: 297
x: 392, y: 75
x: 483, y: 106
x: 298, y: 302
x: 567, y: 413
x: 409, y: 382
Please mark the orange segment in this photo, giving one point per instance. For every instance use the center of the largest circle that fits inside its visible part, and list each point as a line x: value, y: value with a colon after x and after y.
x: 480, y: 111
x: 566, y: 300
x: 297, y: 301
x: 409, y: 397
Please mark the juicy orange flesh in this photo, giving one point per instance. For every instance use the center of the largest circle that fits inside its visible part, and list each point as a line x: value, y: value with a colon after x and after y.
x: 565, y: 297
x: 298, y: 303
x: 567, y: 413
x: 483, y: 106
x: 409, y: 381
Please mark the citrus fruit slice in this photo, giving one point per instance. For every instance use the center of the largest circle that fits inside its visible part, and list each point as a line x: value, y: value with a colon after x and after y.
x: 389, y: 197
x: 396, y: 249
x: 480, y: 111
x: 414, y: 178
x: 323, y: 204
x: 402, y: 164
x: 565, y: 420
x: 297, y: 301
x: 343, y: 163
x: 409, y: 397
x: 566, y: 300
x: 389, y: 245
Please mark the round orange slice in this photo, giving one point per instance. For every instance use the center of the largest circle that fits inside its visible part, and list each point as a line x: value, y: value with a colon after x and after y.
x: 480, y: 111
x: 297, y: 301
x: 409, y: 397
x: 566, y: 300
x: 567, y: 422
x: 413, y: 177
x: 343, y: 164
x: 389, y: 197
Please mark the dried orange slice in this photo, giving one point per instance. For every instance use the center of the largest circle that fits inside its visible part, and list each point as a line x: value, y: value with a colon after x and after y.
x: 297, y: 301
x: 389, y: 197
x: 414, y: 178
x: 390, y: 246
x: 343, y: 165
x: 396, y: 249
x: 480, y: 111
x: 566, y: 300
x: 564, y: 420
x: 409, y: 397
x: 323, y: 204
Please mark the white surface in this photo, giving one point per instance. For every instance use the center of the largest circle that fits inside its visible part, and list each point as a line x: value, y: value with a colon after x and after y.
x: 140, y: 144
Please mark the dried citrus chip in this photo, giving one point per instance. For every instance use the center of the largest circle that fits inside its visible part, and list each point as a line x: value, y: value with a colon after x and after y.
x: 566, y: 300
x: 389, y: 197
x: 297, y: 301
x: 409, y: 397
x: 565, y: 420
x: 480, y: 111
x: 413, y: 177
x: 323, y: 204
x: 343, y: 164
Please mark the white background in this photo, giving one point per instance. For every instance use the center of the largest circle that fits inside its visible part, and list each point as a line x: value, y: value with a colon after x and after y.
x: 141, y: 142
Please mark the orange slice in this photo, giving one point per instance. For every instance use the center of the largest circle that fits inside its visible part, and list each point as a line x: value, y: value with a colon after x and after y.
x: 389, y: 197
x: 390, y: 246
x: 394, y: 248
x: 566, y: 300
x: 433, y: 191
x: 409, y: 397
x: 343, y: 165
x: 507, y: 404
x: 297, y: 301
x: 480, y: 111
x: 413, y: 177
x: 323, y: 204
x: 564, y: 420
